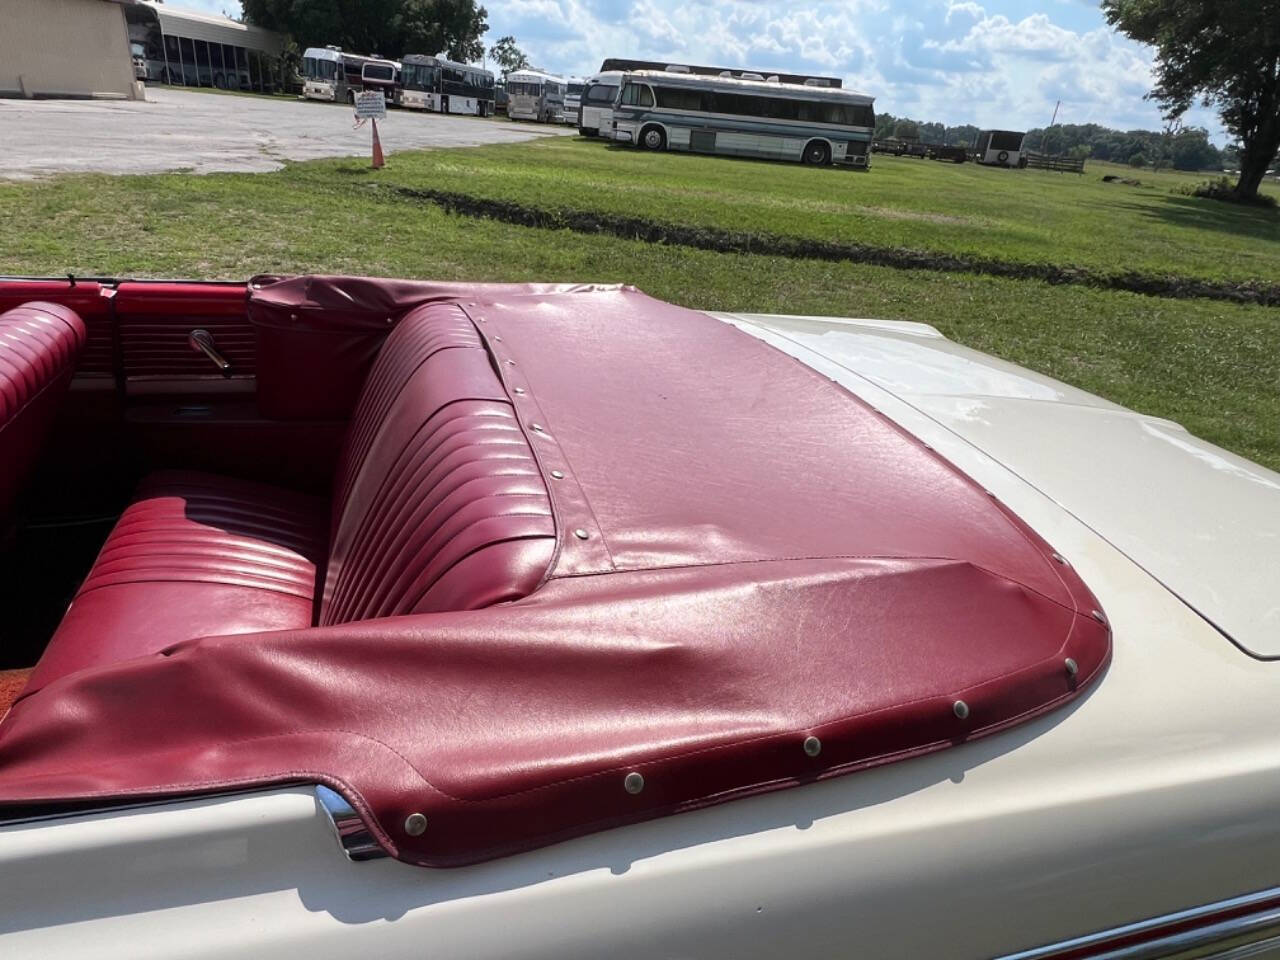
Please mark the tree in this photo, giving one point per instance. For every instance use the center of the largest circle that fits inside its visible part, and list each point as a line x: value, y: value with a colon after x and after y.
x: 1192, y: 150
x: 390, y: 28
x: 906, y: 130
x: 452, y: 26
x: 1163, y: 153
x: 1137, y: 160
x: 1222, y: 53
x: 508, y: 56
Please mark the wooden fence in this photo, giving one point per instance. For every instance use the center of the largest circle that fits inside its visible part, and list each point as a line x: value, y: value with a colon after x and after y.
x: 1042, y: 161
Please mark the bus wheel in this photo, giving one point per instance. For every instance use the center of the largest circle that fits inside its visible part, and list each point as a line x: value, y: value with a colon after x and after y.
x: 653, y: 138
x: 817, y: 153
x: 351, y: 97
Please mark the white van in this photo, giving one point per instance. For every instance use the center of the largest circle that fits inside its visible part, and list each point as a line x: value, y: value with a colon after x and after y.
x: 595, y: 116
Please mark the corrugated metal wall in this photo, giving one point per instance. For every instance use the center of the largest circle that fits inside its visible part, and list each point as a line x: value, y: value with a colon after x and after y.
x: 70, y: 48
x: 181, y: 23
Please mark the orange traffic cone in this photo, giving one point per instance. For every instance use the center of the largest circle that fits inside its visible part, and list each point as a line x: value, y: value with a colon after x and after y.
x: 378, y: 162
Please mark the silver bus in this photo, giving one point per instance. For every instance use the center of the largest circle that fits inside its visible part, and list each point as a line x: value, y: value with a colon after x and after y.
x: 535, y: 95
x: 442, y: 86
x: 572, y: 100
x: 595, y: 116
x: 660, y: 110
x: 330, y: 74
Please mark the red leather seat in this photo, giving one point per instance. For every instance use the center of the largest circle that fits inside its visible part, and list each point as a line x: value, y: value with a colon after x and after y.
x: 39, y: 344
x: 194, y: 555
x: 437, y: 504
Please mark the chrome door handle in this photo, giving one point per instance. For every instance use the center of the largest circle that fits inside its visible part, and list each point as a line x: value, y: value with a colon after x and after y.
x: 201, y: 341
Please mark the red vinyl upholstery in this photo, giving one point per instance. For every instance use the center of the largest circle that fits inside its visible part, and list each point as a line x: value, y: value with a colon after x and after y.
x: 438, y: 504
x: 194, y: 555
x: 39, y: 345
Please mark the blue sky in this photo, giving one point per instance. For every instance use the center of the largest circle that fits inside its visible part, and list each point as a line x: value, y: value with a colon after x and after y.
x: 995, y: 63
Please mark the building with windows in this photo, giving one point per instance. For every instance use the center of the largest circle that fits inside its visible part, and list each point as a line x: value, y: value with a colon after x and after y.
x: 66, y: 48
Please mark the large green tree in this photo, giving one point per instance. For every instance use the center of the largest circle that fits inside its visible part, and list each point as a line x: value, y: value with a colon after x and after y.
x: 508, y: 56
x: 1222, y: 53
x: 390, y: 28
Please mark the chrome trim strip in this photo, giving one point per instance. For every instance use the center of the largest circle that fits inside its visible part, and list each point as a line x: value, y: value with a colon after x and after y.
x: 353, y: 836
x: 1233, y: 929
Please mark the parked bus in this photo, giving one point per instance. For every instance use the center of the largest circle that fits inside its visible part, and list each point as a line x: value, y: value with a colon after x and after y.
x: 379, y: 74
x: 535, y: 96
x: 329, y: 74
x: 620, y: 65
x: 192, y: 49
x: 442, y: 86
x: 745, y: 118
x: 572, y: 100
x: 595, y: 117
x: 999, y: 148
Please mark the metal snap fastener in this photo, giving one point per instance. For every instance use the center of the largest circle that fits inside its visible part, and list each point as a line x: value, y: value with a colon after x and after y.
x: 415, y: 825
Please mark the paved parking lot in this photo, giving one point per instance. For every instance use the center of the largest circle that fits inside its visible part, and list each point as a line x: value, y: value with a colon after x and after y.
x: 205, y: 133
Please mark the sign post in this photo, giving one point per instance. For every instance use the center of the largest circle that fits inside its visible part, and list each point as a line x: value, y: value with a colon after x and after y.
x: 372, y: 106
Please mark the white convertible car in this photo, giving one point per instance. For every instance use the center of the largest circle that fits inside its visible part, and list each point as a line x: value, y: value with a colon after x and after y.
x: 370, y: 618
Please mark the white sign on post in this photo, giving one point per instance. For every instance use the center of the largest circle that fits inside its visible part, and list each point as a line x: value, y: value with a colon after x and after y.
x: 371, y: 105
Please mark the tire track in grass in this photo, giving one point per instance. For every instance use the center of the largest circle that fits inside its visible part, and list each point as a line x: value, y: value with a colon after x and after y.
x: 719, y: 240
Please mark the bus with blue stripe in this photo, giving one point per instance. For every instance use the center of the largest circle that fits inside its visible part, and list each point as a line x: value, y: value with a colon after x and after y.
x: 765, y: 118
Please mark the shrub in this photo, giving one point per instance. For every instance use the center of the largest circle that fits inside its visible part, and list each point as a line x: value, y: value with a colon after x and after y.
x: 1223, y: 189
x: 1139, y: 159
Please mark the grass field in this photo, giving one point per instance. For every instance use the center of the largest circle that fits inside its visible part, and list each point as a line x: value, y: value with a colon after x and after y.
x: 1212, y: 366
x: 1022, y: 216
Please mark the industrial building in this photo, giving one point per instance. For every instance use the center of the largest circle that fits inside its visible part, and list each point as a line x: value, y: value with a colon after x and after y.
x: 106, y: 48
x: 66, y: 48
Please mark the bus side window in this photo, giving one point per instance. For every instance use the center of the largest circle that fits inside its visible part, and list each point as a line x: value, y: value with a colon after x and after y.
x: 674, y: 98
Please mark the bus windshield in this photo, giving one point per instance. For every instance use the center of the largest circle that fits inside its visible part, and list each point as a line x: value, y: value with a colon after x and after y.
x: 379, y: 71
x: 521, y: 88
x: 315, y: 69
x: 418, y: 76
x: 600, y: 93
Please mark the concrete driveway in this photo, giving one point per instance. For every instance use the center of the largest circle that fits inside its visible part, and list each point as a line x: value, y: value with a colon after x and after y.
x: 207, y: 133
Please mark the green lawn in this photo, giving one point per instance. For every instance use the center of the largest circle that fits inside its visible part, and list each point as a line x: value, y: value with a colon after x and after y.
x: 1212, y: 366
x: 1023, y: 216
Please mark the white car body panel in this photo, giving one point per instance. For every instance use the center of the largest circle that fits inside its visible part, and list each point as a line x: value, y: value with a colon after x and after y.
x: 1200, y: 519
x: 1158, y: 790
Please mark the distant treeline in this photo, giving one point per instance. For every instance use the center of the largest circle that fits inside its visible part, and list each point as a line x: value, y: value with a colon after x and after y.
x: 1187, y: 149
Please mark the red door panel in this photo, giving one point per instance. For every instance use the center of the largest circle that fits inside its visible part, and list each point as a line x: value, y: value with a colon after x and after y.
x: 156, y: 319
x: 143, y: 399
